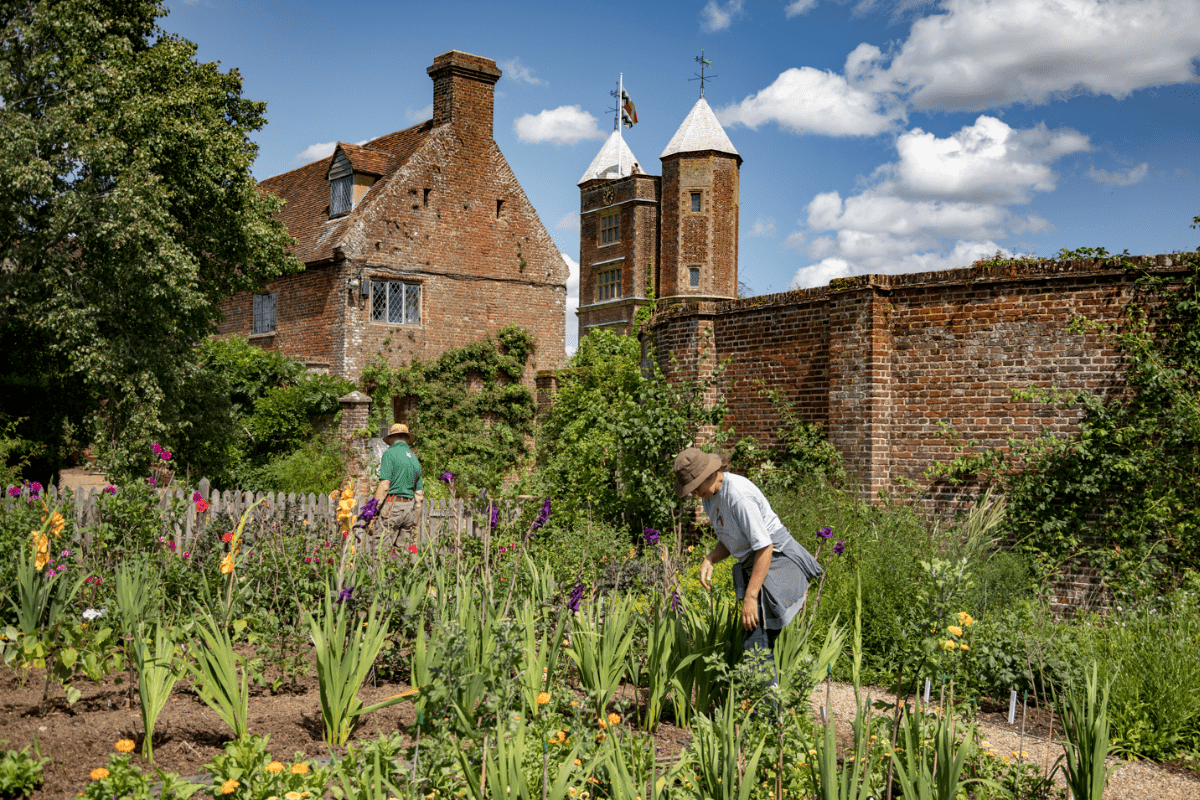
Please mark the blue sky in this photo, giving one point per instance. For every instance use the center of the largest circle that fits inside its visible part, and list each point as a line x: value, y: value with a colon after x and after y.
x: 878, y: 137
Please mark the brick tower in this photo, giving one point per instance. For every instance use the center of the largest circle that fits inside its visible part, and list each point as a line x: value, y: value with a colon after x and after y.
x: 699, y: 229
x: 618, y: 238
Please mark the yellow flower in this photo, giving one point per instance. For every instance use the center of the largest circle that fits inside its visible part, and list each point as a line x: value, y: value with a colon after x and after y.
x: 41, y: 550
x: 949, y: 645
x: 299, y: 769
x: 274, y: 767
x: 964, y: 646
x: 98, y: 774
x: 957, y: 631
x: 230, y: 786
x: 57, y: 523
x: 574, y: 702
x: 965, y: 618
x: 292, y: 796
x: 614, y: 718
x: 543, y: 698
x: 578, y: 763
x: 124, y: 745
x: 227, y: 563
x: 812, y: 752
x: 572, y: 791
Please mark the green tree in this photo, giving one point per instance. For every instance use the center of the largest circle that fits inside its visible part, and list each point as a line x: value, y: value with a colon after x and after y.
x: 127, y: 211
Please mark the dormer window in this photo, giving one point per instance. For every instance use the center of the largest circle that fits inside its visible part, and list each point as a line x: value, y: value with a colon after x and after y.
x: 341, y: 185
x: 341, y: 190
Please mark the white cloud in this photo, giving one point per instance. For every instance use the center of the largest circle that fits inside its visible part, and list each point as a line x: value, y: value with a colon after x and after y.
x: 718, y: 17
x: 763, y: 227
x: 420, y: 115
x: 973, y: 55
x: 798, y: 7
x: 795, y: 240
x: 514, y: 69
x: 572, y: 303
x: 807, y: 100
x: 977, y: 55
x: 562, y: 125
x: 316, y: 151
x: 987, y: 161
x: 1127, y: 178
x: 942, y: 205
x: 569, y: 222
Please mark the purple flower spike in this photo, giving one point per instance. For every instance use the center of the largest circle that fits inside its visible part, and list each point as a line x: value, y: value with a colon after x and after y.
x: 825, y: 533
x: 543, y: 517
x: 651, y: 535
x: 447, y: 477
x: 839, y: 548
x: 370, y: 511
x: 576, y: 596
x: 344, y: 595
x: 495, y: 521
x: 676, y: 604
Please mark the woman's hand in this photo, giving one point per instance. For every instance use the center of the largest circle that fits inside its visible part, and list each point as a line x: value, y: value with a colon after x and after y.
x: 750, y: 613
x: 706, y: 572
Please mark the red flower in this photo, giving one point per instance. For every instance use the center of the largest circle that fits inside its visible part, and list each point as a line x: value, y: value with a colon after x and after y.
x: 202, y: 506
x: 227, y: 537
x: 412, y: 548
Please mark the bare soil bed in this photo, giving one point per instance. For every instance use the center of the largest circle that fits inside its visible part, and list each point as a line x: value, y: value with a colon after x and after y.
x: 188, y: 735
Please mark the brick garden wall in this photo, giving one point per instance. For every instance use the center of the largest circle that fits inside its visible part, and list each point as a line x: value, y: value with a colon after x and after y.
x: 881, y: 360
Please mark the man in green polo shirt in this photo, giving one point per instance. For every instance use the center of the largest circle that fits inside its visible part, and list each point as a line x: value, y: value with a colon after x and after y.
x: 400, y: 490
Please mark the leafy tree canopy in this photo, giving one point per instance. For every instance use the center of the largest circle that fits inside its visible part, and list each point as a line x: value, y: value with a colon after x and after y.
x: 127, y: 211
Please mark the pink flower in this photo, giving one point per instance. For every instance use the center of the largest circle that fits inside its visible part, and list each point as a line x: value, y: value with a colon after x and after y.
x: 308, y: 559
x: 165, y: 455
x: 197, y: 497
x: 110, y: 490
x: 412, y: 548
x: 186, y: 554
x: 151, y: 482
x: 503, y: 549
x: 156, y: 448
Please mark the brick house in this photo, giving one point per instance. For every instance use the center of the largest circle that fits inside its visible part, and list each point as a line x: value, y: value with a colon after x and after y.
x: 675, y: 234
x: 413, y: 243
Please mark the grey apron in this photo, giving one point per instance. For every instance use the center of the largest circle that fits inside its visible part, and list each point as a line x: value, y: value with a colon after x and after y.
x: 786, y: 584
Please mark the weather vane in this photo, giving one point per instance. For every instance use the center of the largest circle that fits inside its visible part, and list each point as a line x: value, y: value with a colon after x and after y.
x: 704, y: 63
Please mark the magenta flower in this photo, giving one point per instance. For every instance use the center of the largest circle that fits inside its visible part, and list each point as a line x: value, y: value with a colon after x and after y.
x: 165, y: 455
x: 35, y: 489
x: 110, y: 490
x: 308, y: 559
x: 186, y: 554
x: 447, y: 477
x: 197, y: 497
x: 14, y: 491
x: 503, y: 549
x: 156, y: 448
x: 150, y: 481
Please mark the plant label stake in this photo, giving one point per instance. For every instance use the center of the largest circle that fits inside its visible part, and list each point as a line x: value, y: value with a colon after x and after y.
x: 1012, y: 707
x: 928, y: 685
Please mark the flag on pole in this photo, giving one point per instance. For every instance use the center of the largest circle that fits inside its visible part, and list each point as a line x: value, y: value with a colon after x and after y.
x: 628, y: 110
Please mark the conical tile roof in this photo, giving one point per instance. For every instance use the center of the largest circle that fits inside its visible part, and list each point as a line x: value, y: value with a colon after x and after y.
x: 700, y: 131
x: 604, y: 165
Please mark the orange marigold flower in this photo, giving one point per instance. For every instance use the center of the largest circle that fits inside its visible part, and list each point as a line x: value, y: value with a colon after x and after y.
x: 543, y: 698
x: 274, y: 767
x: 299, y: 769
x: 614, y: 719
x: 98, y: 774
x: 124, y: 745
x: 230, y: 786
x: 292, y: 796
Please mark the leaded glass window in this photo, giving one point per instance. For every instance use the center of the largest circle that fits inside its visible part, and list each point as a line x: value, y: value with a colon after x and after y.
x: 340, y: 195
x: 396, y: 302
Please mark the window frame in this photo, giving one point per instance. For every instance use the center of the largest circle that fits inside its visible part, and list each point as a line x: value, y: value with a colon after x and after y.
x: 608, y: 282
x: 694, y: 271
x: 345, y: 182
x: 696, y: 201
x: 610, y: 234
x: 264, y: 304
x: 385, y: 319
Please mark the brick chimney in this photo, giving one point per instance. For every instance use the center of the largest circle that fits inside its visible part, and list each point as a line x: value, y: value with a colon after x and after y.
x: 463, y: 90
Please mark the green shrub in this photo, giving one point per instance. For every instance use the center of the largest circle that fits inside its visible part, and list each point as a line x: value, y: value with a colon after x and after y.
x: 318, y: 466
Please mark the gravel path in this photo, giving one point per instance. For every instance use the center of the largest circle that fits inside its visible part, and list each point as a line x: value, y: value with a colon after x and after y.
x: 1138, y: 780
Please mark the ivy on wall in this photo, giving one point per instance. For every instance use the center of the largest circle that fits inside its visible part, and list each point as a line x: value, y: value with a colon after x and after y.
x: 468, y: 408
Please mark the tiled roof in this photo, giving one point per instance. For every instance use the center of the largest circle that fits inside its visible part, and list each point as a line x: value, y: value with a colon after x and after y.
x: 368, y: 161
x: 700, y: 131
x: 306, y: 190
x: 604, y: 165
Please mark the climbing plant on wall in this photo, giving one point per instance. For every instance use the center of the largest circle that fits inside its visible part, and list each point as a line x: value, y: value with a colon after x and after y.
x: 468, y: 408
x: 1122, y: 492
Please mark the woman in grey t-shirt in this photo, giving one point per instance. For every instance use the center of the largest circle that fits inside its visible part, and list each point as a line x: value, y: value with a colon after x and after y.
x: 773, y: 570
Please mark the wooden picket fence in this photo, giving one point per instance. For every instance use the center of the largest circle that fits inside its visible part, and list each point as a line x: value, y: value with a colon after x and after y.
x: 315, y: 514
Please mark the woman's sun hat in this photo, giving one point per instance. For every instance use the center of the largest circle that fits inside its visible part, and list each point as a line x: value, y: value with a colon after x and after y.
x: 399, y: 431
x: 692, y: 467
